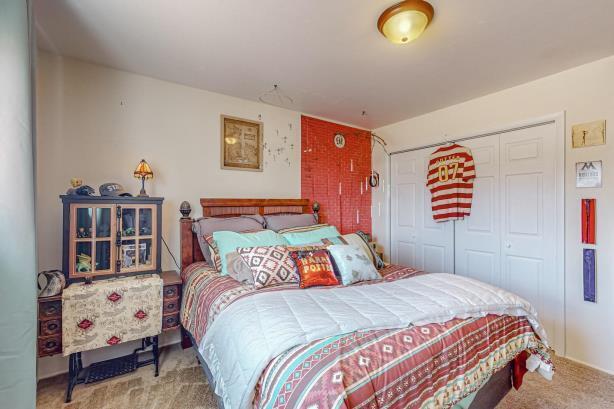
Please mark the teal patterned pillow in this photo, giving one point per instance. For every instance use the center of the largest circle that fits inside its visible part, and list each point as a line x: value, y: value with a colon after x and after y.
x: 353, y: 264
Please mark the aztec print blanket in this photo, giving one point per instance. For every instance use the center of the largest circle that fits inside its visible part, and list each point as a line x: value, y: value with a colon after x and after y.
x: 433, y: 365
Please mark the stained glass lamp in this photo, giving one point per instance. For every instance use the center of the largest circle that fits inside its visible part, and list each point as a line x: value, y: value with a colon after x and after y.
x: 143, y: 171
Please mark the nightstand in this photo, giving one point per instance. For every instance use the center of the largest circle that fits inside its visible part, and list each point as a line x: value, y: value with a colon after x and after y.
x: 171, y: 300
x: 49, y: 325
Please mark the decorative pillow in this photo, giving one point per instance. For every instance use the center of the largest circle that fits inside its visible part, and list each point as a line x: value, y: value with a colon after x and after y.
x: 312, y: 236
x: 216, y: 262
x: 285, y: 221
x: 302, y: 228
x: 359, y: 239
x: 270, y: 265
x: 228, y: 241
x: 353, y: 263
x: 315, y: 268
x: 205, y: 226
x: 238, y: 269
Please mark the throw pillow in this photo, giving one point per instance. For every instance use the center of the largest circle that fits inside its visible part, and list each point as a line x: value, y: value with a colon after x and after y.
x: 315, y: 268
x: 238, y: 269
x: 228, y: 241
x: 270, y: 265
x: 353, y: 264
x: 311, y: 236
x: 216, y: 261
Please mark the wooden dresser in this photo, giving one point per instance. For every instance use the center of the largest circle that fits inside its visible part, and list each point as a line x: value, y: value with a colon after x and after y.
x: 50, y: 315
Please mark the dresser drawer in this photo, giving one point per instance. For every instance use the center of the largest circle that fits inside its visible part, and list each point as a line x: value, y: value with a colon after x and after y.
x: 170, y: 321
x: 171, y: 305
x: 171, y: 291
x: 49, y: 345
x: 50, y: 327
x: 49, y: 309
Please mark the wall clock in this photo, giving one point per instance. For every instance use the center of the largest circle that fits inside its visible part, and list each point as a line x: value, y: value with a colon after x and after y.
x: 339, y: 140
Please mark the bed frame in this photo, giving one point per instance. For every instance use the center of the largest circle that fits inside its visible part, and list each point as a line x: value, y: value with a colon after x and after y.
x: 487, y: 397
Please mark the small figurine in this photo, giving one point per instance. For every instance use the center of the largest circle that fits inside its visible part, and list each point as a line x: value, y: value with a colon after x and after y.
x: 84, y: 265
x: 75, y: 183
x: 81, y: 233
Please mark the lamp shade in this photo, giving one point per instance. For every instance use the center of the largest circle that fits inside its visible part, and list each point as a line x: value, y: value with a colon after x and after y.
x: 143, y: 170
x: 405, y: 21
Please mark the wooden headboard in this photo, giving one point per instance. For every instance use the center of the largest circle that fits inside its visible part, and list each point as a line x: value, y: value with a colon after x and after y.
x: 190, y: 250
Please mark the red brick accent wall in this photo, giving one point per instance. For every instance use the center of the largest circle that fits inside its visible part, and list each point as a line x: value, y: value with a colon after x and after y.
x: 326, y: 169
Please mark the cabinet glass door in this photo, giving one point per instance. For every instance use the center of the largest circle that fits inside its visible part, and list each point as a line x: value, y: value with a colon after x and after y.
x: 91, y: 243
x: 138, y: 229
x: 81, y: 240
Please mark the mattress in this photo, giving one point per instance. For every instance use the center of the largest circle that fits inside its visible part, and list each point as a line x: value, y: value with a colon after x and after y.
x: 432, y: 365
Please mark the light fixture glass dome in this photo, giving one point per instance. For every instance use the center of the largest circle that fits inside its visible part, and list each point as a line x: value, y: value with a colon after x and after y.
x: 405, y: 21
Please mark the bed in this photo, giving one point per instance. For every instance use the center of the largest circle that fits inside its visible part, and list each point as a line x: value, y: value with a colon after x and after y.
x: 285, y: 347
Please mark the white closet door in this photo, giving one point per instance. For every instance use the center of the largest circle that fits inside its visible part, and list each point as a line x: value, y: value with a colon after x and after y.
x: 478, y: 237
x: 417, y: 241
x: 528, y: 221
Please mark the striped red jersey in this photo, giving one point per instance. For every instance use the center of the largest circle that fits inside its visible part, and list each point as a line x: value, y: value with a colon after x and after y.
x: 450, y: 180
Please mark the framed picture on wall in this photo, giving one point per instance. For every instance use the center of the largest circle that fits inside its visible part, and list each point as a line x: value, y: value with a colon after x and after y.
x: 242, y: 144
x: 588, y: 134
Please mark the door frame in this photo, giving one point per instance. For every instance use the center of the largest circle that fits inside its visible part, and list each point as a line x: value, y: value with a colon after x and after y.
x: 557, y: 340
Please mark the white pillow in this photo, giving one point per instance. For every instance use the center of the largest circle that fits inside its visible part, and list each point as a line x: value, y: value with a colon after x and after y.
x: 353, y: 263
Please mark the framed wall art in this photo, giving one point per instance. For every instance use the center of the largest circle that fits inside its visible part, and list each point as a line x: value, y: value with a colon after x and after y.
x: 588, y: 174
x: 588, y: 134
x: 242, y: 143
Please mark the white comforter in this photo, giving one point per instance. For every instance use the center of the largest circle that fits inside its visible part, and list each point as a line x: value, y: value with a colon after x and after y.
x: 252, y: 331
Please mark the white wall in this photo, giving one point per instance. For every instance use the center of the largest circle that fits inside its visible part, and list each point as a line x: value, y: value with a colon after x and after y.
x: 18, y: 249
x: 96, y: 123
x: 585, y: 93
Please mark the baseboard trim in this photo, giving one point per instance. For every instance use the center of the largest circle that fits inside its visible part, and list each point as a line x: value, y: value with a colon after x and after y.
x: 589, y: 365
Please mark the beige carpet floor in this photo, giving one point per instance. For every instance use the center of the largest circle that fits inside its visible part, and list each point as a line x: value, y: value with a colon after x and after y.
x: 182, y: 385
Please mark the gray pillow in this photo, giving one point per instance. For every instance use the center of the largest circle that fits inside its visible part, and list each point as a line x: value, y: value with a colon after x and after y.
x: 353, y: 264
x: 239, y: 269
x: 205, y: 226
x: 285, y: 221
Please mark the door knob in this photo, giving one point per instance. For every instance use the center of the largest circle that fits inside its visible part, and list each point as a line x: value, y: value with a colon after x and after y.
x: 508, y: 245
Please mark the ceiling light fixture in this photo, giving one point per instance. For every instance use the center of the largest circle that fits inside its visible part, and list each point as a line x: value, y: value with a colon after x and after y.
x: 276, y: 97
x: 405, y: 21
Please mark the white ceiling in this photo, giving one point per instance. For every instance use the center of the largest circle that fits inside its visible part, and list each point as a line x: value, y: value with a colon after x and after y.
x: 327, y: 54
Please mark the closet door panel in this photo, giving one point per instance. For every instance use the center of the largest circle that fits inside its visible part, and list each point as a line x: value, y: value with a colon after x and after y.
x: 477, y: 237
x: 406, y: 246
x: 417, y: 241
x: 528, y: 250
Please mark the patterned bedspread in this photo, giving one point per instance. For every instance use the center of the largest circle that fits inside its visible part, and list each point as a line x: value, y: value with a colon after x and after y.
x: 433, y: 365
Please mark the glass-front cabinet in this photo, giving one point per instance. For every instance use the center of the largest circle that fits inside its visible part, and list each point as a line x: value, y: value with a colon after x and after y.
x: 105, y: 236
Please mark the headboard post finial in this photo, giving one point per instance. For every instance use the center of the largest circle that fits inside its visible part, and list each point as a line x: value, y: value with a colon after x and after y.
x: 185, y: 209
x: 316, y: 211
